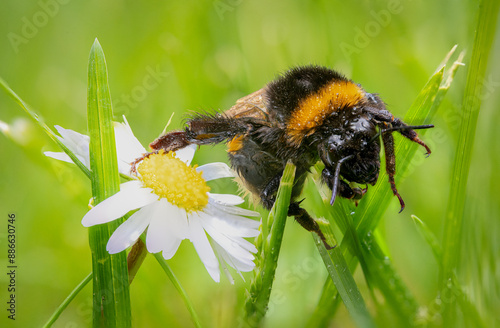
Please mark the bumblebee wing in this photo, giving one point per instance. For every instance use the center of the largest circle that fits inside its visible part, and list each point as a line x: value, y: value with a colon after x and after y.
x: 252, y: 106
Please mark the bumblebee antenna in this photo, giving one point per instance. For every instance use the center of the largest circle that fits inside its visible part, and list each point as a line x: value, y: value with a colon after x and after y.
x: 407, y: 127
x: 400, y: 128
x: 336, y: 177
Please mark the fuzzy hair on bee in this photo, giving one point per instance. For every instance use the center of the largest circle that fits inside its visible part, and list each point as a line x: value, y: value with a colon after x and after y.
x: 306, y: 115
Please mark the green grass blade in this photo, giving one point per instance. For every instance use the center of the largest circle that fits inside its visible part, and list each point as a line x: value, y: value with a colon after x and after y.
x: 377, y: 268
x: 39, y: 120
x: 260, y: 289
x: 68, y: 300
x: 170, y: 274
x: 421, y: 111
x: 335, y: 263
x: 485, y: 31
x: 329, y: 304
x: 453, y: 285
x: 371, y: 209
x: 344, y: 282
x: 111, y: 299
x: 135, y: 259
x: 397, y: 295
x: 430, y: 238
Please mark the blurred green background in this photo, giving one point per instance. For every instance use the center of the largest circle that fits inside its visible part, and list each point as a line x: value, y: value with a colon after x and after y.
x: 173, y: 56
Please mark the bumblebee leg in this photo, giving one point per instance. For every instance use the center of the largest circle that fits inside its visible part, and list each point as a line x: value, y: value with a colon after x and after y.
x: 171, y: 141
x: 390, y: 164
x: 346, y: 191
x: 408, y: 132
x: 168, y: 142
x: 268, y: 195
x: 343, y: 189
x: 200, y: 130
x: 306, y: 221
x: 212, y: 129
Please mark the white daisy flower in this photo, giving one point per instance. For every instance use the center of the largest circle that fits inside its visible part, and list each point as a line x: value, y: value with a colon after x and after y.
x: 174, y: 203
x: 128, y: 148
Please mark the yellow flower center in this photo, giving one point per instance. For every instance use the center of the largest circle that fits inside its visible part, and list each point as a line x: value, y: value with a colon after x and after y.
x: 172, y: 179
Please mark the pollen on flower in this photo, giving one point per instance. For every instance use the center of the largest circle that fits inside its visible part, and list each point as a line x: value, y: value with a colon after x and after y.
x: 172, y: 179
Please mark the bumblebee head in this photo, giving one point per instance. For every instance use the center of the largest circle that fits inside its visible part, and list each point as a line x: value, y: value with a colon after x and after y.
x: 356, y: 146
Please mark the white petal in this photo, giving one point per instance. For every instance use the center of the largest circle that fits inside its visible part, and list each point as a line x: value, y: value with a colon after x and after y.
x: 243, y: 266
x: 128, y: 232
x: 130, y: 186
x: 170, y: 249
x: 233, y: 244
x: 213, y: 171
x: 225, y: 213
x: 125, y: 168
x: 158, y: 226
x: 76, y: 142
x: 203, y: 247
x: 239, y: 248
x: 231, y: 225
x: 73, y: 139
x: 59, y: 156
x: 128, y: 148
x: 65, y: 158
x: 177, y: 231
x: 167, y: 229
x: 186, y: 154
x: 130, y: 197
x: 222, y: 262
x: 233, y: 209
x: 225, y: 199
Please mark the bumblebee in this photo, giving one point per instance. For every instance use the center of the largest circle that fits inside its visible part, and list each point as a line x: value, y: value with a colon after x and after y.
x: 308, y: 114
